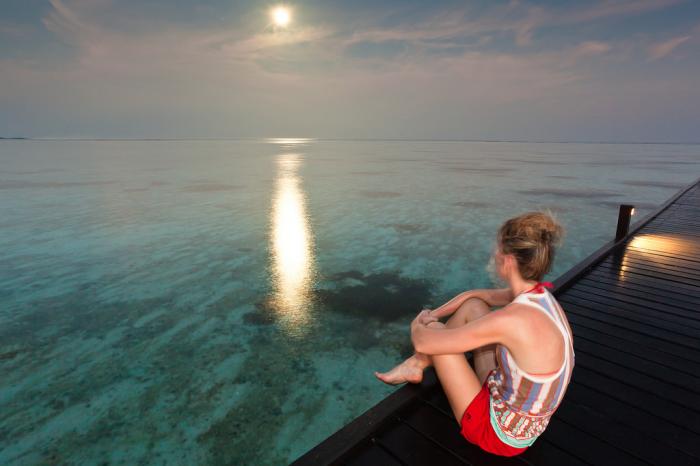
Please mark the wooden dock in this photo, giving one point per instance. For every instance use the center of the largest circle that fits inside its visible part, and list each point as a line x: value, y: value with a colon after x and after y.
x: 634, y: 398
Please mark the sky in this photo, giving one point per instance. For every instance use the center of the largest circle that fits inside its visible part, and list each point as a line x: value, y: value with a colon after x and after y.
x: 616, y: 70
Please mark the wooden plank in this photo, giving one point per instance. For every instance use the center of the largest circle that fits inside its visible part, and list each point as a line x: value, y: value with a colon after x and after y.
x: 373, y: 455
x: 661, y: 263
x: 544, y: 452
x: 632, y: 441
x: 674, y: 262
x: 656, y: 248
x: 657, y: 252
x: 681, y: 218
x: 680, y: 321
x: 687, y: 232
x: 665, y: 407
x: 650, y: 331
x: 634, y: 418
x: 647, y: 265
x: 626, y: 290
x: 687, y: 321
x: 658, y: 287
x: 650, y: 381
x: 585, y: 336
x: 683, y: 276
x: 619, y: 365
x: 586, y: 445
x: 415, y: 449
x: 690, y: 287
x: 634, y: 338
x: 673, y: 224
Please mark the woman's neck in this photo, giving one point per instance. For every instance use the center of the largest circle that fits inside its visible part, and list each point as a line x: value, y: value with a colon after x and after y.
x: 518, y: 285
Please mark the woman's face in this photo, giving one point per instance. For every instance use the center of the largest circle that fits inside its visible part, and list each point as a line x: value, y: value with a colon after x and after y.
x: 496, y: 267
x: 499, y: 259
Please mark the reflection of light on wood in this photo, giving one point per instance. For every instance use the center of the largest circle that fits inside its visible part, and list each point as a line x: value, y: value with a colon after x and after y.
x: 292, y: 248
x: 663, y: 243
x: 654, y: 248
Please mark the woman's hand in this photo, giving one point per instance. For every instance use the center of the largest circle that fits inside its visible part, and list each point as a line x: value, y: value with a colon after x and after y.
x: 422, y: 319
x: 426, y: 316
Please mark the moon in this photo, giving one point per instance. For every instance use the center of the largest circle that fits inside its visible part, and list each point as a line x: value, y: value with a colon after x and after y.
x: 281, y: 16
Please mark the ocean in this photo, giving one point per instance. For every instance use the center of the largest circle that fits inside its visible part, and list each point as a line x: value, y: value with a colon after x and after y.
x: 227, y: 301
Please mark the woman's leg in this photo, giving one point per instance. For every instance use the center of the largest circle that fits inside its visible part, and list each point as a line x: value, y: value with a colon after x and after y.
x: 458, y: 379
x: 411, y: 370
x: 484, y: 357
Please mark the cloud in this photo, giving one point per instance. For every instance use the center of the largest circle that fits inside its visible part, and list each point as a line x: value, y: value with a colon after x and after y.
x: 520, y: 19
x: 662, y: 49
x: 438, y: 72
x: 612, y: 8
x: 590, y: 48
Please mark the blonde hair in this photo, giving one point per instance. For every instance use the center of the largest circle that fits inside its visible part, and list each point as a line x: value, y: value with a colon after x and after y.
x: 531, y: 238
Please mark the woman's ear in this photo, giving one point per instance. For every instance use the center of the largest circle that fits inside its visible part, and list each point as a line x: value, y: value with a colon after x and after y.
x: 510, y: 263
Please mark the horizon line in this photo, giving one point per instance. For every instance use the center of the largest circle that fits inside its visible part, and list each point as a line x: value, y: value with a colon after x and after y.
x: 526, y: 141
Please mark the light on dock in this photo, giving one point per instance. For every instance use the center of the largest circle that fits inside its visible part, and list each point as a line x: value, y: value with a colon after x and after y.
x: 623, y: 221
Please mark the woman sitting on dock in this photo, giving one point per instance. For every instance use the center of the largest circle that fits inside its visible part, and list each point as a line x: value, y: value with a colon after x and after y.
x: 523, y: 352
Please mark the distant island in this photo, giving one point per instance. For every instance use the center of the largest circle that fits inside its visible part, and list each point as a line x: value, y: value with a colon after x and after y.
x: 1, y: 137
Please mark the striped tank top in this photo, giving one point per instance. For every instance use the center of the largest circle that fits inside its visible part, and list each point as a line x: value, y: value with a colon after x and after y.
x: 521, y: 404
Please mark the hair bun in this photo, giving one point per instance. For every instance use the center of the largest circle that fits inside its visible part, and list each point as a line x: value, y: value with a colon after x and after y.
x: 531, y: 238
x: 551, y: 231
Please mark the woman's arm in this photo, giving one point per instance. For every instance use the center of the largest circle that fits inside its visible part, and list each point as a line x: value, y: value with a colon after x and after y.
x: 500, y: 297
x: 494, y: 327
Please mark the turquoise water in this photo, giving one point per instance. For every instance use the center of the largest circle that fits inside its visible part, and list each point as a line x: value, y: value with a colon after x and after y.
x: 225, y: 302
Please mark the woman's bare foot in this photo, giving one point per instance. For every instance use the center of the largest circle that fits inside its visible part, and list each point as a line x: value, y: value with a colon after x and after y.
x: 411, y: 371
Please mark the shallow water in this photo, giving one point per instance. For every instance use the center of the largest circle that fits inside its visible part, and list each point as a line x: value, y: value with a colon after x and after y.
x: 225, y: 302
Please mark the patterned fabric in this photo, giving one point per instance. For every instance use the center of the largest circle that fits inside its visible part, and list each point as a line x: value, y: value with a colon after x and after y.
x: 523, y: 403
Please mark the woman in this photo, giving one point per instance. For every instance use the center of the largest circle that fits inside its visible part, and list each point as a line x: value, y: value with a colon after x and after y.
x: 523, y: 352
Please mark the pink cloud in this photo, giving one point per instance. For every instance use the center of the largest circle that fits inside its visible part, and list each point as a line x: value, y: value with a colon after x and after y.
x: 662, y: 49
x: 591, y: 47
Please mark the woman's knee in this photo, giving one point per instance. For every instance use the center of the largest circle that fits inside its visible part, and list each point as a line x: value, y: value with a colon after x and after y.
x: 470, y: 310
x: 436, y: 324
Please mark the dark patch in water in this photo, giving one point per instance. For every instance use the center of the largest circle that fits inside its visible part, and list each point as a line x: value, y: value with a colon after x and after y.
x: 135, y: 190
x: 472, y: 204
x: 379, y: 194
x: 259, y: 317
x: 354, y: 274
x: 386, y: 296
x: 580, y: 193
x: 209, y: 188
x: 9, y: 355
x: 653, y: 184
x: 13, y: 184
x: 406, y: 227
x: 562, y: 177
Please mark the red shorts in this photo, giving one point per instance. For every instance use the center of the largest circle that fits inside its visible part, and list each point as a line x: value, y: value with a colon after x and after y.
x: 477, y: 428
